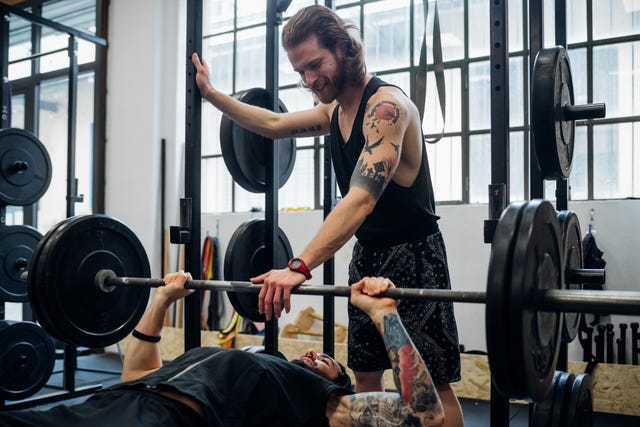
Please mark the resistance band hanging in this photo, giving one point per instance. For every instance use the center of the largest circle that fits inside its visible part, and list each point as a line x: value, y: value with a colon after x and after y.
x: 438, y: 68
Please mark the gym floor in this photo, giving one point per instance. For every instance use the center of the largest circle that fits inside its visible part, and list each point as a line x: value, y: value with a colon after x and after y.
x: 104, y: 369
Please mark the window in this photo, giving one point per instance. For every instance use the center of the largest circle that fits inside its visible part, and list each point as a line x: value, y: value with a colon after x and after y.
x: 605, y: 64
x: 40, y: 99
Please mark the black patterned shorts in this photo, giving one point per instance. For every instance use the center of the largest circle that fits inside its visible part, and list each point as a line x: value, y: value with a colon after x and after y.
x: 431, y: 325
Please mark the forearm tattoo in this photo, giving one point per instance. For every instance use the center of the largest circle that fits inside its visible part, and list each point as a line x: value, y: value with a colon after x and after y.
x: 303, y: 131
x: 418, y: 398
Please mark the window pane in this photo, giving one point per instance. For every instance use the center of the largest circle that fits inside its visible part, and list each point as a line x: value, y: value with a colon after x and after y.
x: 218, y: 52
x: 479, y: 167
x: 614, y: 171
x: 578, y: 61
x: 218, y: 16
x: 516, y: 92
x: 516, y: 159
x: 286, y: 74
x: 451, y: 15
x: 386, y: 34
x: 17, y: 111
x: 296, y: 5
x: 576, y: 25
x: 53, y: 134
x: 298, y: 190
x: 216, y: 186
x: 478, y: 28
x: 615, y: 18
x: 432, y: 122
x: 298, y: 99
x: 246, y: 201
x: 479, y: 96
x: 618, y: 81
x: 250, y: 58
x: 251, y: 12
x: 516, y: 41
x: 578, y: 179
x: 576, y: 21
x: 445, y: 162
x: 77, y: 14
x: 19, y: 47
x: 398, y: 79
x: 210, y: 141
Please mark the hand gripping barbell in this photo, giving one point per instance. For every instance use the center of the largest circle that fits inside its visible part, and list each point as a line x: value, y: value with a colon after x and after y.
x: 87, y: 286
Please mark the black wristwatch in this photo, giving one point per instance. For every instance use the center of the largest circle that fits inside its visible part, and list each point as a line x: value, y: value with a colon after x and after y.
x: 296, y: 264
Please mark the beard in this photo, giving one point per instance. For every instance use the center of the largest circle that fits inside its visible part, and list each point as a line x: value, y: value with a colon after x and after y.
x: 331, y: 87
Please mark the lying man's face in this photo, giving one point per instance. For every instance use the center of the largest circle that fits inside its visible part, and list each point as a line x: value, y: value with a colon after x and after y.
x: 325, y: 366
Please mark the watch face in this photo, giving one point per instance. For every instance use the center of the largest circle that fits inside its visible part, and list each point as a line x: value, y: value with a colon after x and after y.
x: 295, y: 263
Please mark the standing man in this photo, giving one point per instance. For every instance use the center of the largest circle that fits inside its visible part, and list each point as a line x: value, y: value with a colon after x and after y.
x: 381, y: 167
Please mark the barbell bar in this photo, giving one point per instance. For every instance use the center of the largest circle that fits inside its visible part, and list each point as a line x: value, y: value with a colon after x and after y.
x: 88, y: 285
x: 602, y: 302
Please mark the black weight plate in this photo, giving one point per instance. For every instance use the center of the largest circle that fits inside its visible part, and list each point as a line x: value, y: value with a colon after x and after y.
x: 34, y: 292
x: 573, y: 259
x: 551, y: 91
x: 25, y: 168
x: 245, y: 258
x: 244, y: 151
x: 27, y: 356
x: 580, y: 407
x: 534, y: 335
x: 498, y: 287
x: 72, y: 306
x: 561, y: 394
x: 543, y: 409
x: 17, y: 243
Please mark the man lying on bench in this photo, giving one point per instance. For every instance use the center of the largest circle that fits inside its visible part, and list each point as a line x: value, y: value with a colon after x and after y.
x: 229, y: 387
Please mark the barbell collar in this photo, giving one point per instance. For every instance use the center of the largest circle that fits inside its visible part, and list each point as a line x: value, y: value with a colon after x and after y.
x: 585, y: 111
x: 587, y: 275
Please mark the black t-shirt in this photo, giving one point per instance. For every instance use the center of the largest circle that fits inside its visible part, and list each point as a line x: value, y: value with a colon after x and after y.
x: 237, y: 388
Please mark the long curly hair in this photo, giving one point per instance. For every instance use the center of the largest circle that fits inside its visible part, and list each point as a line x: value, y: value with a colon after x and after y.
x: 333, y: 33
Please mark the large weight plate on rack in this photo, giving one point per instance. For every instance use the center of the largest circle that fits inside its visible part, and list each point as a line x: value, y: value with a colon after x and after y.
x: 551, y: 91
x: 534, y: 335
x: 244, y: 151
x: 25, y: 168
x: 70, y: 306
x: 573, y: 259
x: 245, y: 258
x: 27, y: 356
x: 17, y: 243
x: 498, y: 293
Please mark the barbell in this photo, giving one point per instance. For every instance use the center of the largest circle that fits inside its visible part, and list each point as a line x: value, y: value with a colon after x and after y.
x: 88, y: 286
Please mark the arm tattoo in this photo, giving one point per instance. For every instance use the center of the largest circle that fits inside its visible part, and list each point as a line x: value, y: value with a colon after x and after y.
x: 371, y: 177
x: 302, y: 131
x: 369, y: 147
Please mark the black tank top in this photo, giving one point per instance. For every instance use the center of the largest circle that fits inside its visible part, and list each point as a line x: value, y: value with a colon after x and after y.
x: 402, y: 214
